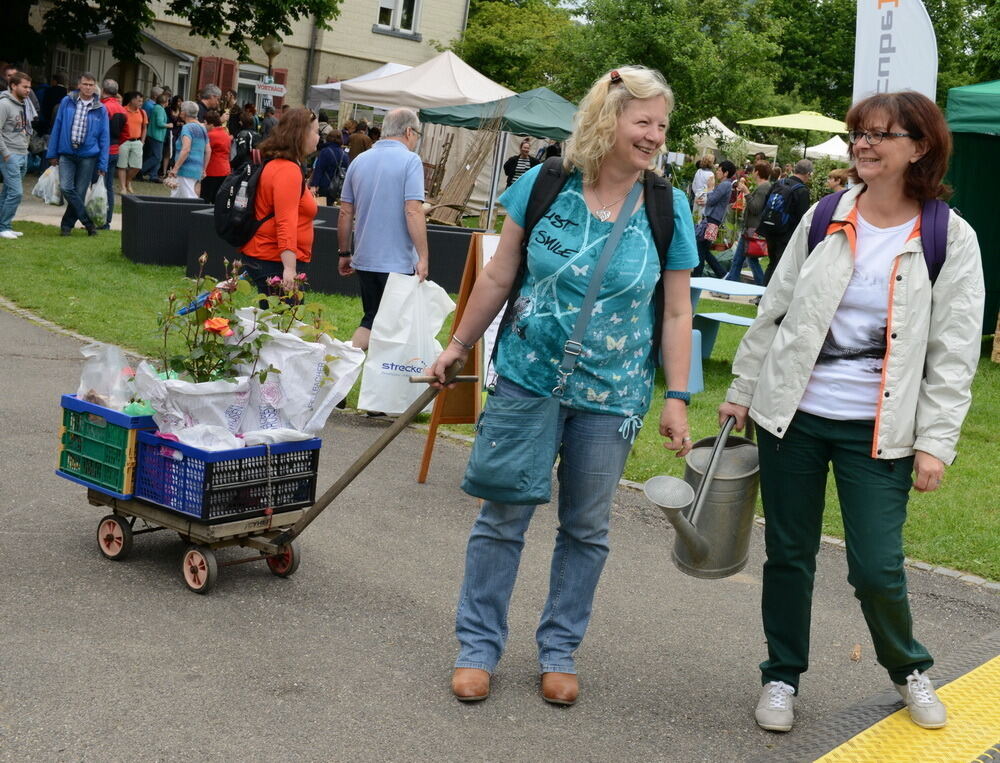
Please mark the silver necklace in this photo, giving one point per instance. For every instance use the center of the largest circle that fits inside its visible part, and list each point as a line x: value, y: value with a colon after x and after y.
x: 604, y: 213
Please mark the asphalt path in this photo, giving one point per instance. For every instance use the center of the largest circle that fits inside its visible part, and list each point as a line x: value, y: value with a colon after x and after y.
x: 350, y: 658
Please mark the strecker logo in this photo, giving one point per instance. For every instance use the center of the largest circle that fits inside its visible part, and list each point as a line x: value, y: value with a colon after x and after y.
x: 411, y: 366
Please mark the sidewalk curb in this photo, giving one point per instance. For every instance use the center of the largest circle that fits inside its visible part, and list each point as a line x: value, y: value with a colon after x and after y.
x: 947, y: 572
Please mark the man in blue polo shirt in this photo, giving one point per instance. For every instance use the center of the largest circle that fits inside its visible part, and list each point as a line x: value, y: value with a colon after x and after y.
x: 384, y: 190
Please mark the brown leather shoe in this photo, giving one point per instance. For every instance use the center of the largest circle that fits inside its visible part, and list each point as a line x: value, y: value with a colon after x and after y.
x: 560, y: 688
x: 470, y: 684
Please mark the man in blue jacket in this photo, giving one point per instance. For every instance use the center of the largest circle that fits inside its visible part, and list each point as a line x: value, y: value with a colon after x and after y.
x: 80, y: 141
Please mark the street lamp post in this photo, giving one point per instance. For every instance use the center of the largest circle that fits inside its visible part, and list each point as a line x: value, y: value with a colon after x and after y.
x: 272, y: 47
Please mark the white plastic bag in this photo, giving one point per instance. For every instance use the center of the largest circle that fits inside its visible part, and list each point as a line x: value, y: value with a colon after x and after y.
x: 106, y: 376
x: 298, y: 397
x: 96, y: 202
x: 181, y: 404
x: 402, y: 342
x: 47, y: 188
x: 209, y: 438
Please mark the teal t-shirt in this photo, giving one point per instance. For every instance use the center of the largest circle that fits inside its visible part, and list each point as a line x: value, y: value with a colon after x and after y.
x: 614, y: 374
x: 195, y: 162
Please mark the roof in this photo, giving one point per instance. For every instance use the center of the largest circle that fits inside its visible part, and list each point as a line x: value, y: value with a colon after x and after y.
x: 975, y: 108
x: 445, y: 80
x: 539, y: 113
x: 103, y: 34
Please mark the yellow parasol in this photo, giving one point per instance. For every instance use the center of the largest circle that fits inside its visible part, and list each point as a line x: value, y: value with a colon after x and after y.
x: 810, y: 121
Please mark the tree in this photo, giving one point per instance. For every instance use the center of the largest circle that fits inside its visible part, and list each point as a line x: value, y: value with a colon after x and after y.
x: 222, y: 21
x: 513, y: 43
x: 986, y: 55
x: 717, y: 55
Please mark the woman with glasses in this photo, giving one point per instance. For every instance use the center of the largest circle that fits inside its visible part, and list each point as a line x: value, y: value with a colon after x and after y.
x: 859, y: 357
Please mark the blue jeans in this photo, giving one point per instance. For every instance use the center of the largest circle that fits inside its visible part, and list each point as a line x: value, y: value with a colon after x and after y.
x: 738, y: 257
x: 13, y: 171
x: 75, y: 173
x: 592, y: 457
x: 151, y: 166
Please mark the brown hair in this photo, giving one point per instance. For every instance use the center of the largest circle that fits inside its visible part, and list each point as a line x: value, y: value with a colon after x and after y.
x: 18, y: 77
x: 212, y: 118
x: 287, y: 137
x: 763, y: 169
x: 918, y: 115
x: 840, y: 175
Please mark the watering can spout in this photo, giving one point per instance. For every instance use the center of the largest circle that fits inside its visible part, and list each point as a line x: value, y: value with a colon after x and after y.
x: 673, y: 496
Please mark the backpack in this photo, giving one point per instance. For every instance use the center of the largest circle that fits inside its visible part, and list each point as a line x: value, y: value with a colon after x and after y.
x: 776, y: 220
x: 116, y: 126
x: 659, y: 198
x: 235, y: 219
x: 933, y: 229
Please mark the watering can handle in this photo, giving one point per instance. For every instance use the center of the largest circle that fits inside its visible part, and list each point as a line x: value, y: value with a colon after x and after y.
x: 713, y: 466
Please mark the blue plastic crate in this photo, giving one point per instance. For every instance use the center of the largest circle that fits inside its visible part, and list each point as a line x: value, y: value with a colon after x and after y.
x: 223, y: 485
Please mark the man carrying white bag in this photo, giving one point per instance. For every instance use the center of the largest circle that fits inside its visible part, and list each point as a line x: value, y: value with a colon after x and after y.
x: 403, y: 342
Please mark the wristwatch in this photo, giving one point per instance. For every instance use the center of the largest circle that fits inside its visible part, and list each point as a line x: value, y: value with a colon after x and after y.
x: 673, y: 394
x: 345, y: 253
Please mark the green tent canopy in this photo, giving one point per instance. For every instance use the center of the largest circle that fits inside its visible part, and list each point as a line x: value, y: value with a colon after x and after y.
x: 539, y: 113
x: 975, y: 108
x: 974, y: 119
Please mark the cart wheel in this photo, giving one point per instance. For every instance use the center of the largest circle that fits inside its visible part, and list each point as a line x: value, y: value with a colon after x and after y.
x: 284, y: 563
x: 114, y: 537
x: 200, y: 569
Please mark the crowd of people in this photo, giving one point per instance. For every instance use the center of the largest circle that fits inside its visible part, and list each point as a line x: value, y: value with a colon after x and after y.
x: 121, y: 137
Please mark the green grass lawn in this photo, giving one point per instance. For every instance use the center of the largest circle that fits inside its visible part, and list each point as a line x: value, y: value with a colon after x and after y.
x: 85, y: 284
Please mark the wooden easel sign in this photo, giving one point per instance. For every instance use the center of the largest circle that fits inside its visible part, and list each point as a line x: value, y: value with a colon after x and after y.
x: 463, y: 403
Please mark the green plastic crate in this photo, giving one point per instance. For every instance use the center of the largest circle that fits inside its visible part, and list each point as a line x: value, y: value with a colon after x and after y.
x: 98, y: 445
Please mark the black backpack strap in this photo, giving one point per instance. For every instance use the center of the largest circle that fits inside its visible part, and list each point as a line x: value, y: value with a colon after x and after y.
x: 659, y: 199
x: 549, y: 182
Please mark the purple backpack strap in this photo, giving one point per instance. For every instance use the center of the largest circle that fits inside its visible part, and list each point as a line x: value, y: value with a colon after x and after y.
x: 934, y: 235
x: 821, y: 218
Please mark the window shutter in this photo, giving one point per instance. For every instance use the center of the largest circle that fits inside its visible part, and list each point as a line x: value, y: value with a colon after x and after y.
x: 280, y: 78
x: 227, y: 74
x: 208, y: 72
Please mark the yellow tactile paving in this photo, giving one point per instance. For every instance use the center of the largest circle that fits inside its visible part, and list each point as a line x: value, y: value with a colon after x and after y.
x: 973, y: 702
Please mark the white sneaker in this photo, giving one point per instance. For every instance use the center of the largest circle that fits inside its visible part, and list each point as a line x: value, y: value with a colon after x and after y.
x: 775, y: 710
x: 18, y: 233
x: 7, y: 234
x: 926, y: 710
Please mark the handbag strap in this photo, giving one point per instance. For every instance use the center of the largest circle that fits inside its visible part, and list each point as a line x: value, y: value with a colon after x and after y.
x: 574, y: 345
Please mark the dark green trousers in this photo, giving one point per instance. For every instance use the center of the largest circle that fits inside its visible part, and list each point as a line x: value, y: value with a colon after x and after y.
x: 873, y: 495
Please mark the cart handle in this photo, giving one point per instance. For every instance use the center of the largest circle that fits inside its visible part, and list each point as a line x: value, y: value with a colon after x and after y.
x: 404, y: 420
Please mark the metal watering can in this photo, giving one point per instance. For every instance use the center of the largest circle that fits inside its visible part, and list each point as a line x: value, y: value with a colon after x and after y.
x: 713, y: 525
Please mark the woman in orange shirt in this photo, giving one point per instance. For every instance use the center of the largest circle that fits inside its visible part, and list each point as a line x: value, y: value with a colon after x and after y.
x: 218, y: 165
x: 286, y: 238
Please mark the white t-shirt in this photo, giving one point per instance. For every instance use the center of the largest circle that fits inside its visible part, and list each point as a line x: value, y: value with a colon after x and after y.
x: 847, y: 376
x: 700, y: 182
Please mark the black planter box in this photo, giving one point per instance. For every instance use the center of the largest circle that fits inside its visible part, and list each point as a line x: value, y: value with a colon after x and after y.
x: 154, y: 228
x: 448, y: 246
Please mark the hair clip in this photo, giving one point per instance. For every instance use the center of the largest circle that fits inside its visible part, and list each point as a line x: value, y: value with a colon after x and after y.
x: 615, y: 77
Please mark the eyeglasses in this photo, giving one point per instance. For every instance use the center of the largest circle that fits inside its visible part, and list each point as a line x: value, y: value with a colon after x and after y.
x: 874, y: 137
x: 416, y: 131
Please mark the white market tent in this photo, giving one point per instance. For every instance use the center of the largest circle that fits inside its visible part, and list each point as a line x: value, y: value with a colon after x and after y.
x: 327, y: 96
x: 835, y: 148
x: 710, y: 132
x: 445, y: 80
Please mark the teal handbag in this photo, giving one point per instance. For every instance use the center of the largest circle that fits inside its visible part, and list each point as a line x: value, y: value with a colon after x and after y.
x: 515, y: 445
x: 514, y: 450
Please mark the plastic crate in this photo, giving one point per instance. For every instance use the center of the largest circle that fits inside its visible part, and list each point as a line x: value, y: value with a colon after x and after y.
x: 97, y: 446
x: 223, y: 485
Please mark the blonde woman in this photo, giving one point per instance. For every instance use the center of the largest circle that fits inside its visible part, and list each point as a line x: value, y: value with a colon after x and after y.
x: 837, y: 180
x: 619, y: 130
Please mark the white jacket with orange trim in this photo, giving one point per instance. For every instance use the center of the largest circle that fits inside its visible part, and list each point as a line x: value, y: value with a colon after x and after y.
x: 932, y: 349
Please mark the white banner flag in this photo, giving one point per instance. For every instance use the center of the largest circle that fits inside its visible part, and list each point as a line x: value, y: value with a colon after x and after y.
x: 895, y: 49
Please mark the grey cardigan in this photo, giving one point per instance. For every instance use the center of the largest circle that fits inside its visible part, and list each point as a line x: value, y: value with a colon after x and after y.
x: 717, y: 202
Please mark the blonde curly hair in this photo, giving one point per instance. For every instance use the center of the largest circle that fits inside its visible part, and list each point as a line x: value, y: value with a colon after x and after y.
x: 595, y: 125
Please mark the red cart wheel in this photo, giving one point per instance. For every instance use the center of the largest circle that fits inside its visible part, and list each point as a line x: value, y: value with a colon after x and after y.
x: 200, y: 569
x: 114, y: 537
x: 284, y: 563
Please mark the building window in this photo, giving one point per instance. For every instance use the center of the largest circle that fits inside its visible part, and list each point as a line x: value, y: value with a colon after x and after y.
x: 70, y: 62
x: 183, y: 80
x: 250, y: 75
x: 398, y: 15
